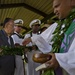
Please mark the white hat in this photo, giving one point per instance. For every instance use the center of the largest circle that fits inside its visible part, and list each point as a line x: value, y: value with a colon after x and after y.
x: 18, y: 22
x: 34, y: 22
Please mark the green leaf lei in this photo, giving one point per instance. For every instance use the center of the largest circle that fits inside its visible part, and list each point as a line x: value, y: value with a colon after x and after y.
x: 20, y: 50
x: 62, y: 27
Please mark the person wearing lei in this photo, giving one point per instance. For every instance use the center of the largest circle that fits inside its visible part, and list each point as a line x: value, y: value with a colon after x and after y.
x: 62, y: 42
x: 62, y: 27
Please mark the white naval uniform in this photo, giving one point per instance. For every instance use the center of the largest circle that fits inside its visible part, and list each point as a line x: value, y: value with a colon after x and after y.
x: 31, y: 64
x: 19, y: 70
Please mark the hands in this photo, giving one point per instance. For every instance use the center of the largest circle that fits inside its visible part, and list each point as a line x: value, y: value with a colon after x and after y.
x: 26, y: 41
x: 52, y: 63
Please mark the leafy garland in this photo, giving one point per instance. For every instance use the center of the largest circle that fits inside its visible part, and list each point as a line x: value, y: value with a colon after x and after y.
x: 62, y: 27
x: 20, y: 50
x: 4, y: 50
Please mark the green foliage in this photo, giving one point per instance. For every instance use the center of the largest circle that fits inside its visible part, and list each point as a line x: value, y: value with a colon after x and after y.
x: 11, y: 51
x: 59, y: 33
x: 4, y: 50
x: 48, y: 72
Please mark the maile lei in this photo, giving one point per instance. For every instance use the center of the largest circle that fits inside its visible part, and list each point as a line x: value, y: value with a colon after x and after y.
x: 5, y: 50
x: 62, y: 27
x: 20, y: 50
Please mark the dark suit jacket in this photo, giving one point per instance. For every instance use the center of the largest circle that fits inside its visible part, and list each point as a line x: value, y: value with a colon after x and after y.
x: 4, y: 39
x: 7, y: 62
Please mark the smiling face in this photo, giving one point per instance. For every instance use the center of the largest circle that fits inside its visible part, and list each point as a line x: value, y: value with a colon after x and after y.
x: 62, y: 8
x: 9, y: 27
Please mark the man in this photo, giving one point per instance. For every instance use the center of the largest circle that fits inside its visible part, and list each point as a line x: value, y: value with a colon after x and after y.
x: 35, y: 26
x: 17, y: 38
x: 64, y: 60
x: 7, y: 62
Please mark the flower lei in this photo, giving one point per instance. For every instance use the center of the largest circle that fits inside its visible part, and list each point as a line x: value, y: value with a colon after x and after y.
x: 62, y: 27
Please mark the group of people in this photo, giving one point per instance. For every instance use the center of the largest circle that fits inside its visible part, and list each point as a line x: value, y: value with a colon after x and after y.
x: 13, y: 65
x: 64, y: 10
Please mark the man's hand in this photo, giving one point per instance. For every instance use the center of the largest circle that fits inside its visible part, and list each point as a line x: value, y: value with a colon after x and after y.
x: 52, y: 63
x: 26, y: 41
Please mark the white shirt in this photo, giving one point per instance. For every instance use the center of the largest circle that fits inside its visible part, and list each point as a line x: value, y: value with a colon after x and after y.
x: 31, y: 64
x: 16, y: 39
x: 9, y: 40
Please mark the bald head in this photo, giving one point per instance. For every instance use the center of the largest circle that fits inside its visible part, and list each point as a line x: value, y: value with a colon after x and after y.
x: 62, y: 8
